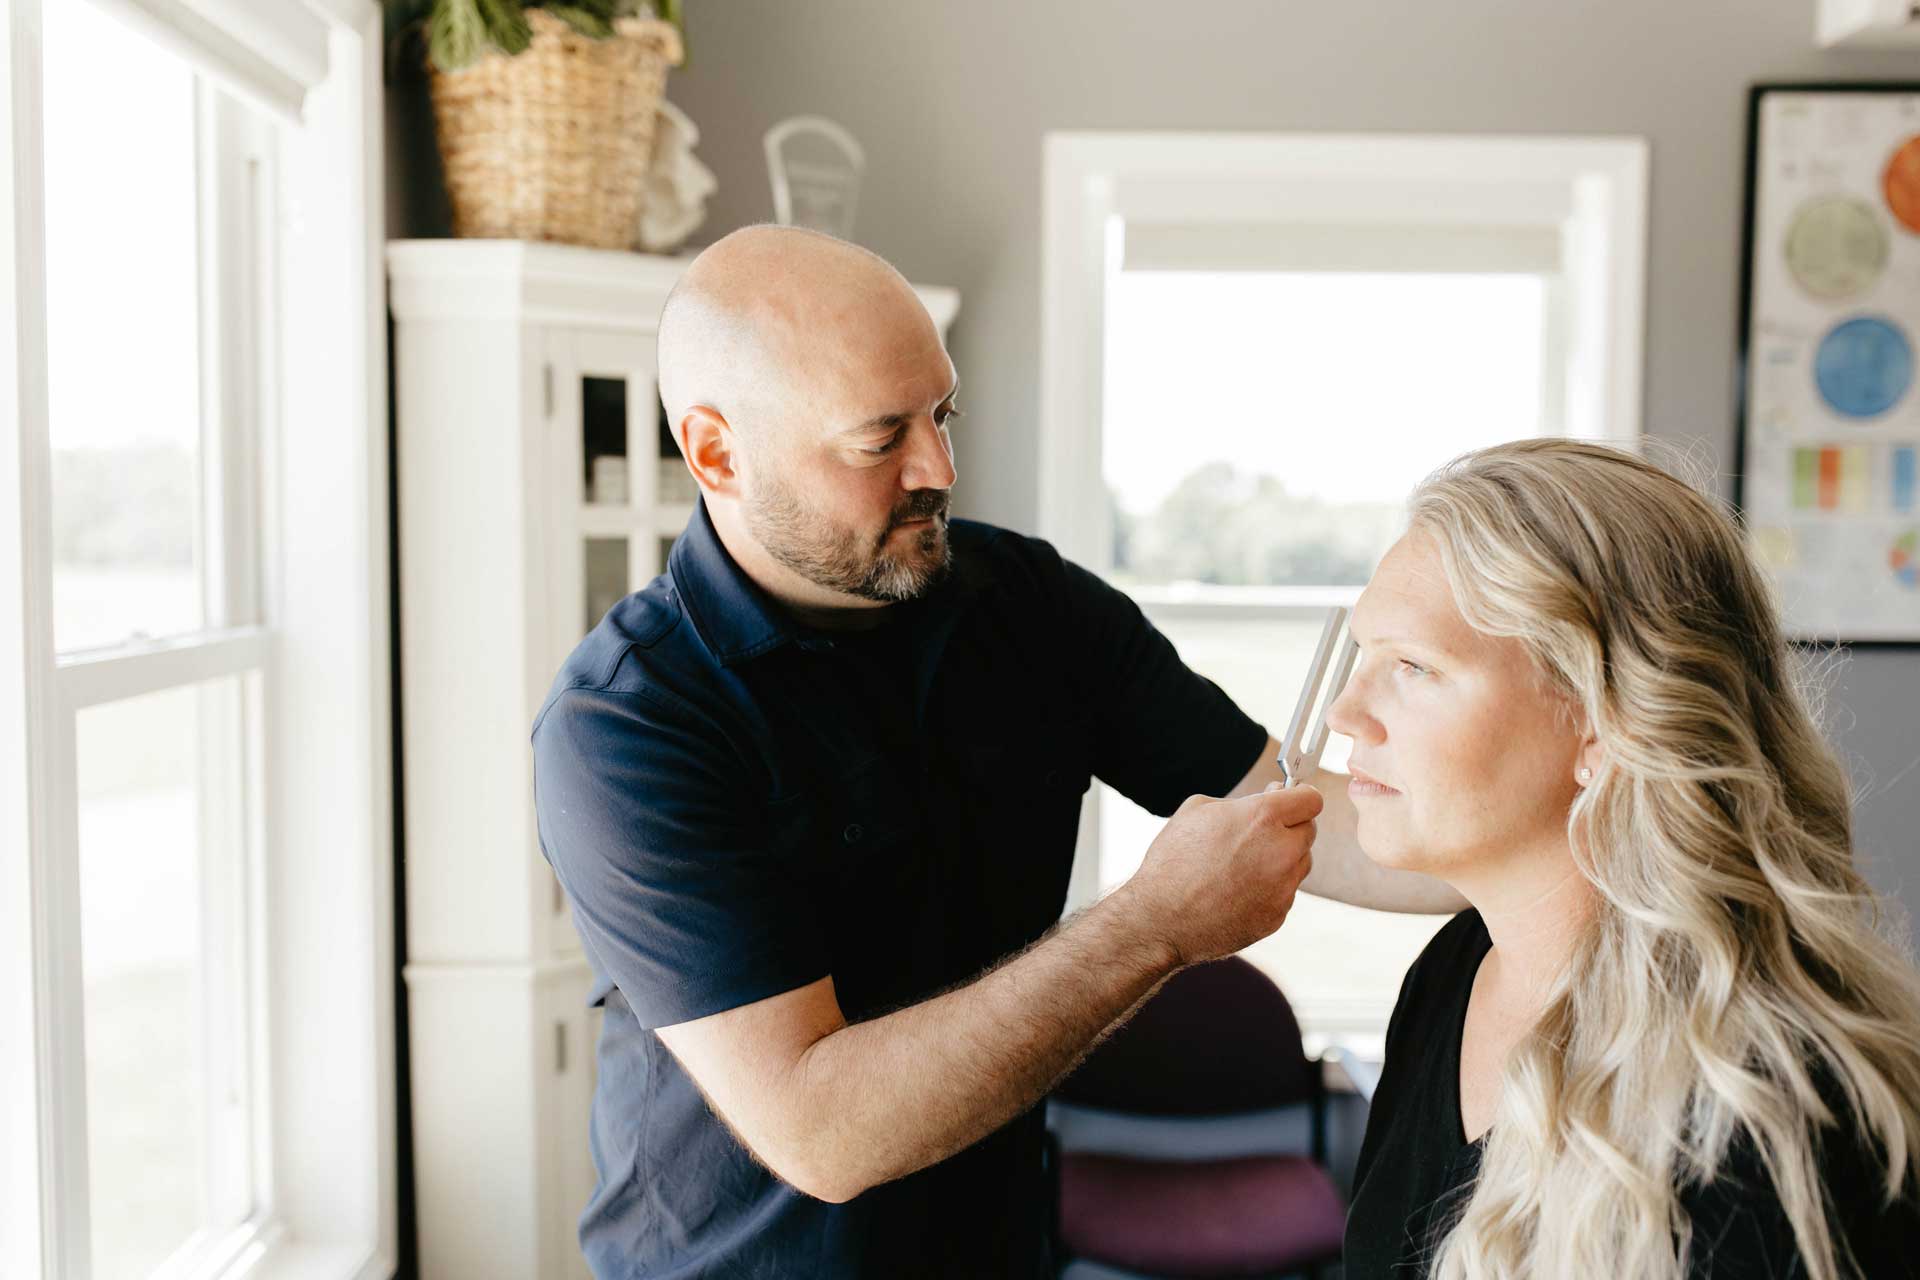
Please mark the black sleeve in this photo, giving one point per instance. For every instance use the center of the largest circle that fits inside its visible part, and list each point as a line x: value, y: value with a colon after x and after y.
x: 677, y: 891
x: 1161, y: 732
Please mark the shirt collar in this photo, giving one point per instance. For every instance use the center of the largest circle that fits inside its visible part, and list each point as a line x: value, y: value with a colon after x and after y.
x: 738, y: 621
x: 735, y: 617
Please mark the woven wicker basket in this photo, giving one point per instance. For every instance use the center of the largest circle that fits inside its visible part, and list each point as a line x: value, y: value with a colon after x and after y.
x: 552, y: 143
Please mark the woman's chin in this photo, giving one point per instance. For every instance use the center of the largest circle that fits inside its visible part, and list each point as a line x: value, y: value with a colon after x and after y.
x: 1391, y: 851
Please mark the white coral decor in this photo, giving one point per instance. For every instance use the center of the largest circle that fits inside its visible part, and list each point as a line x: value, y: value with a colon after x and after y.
x: 673, y: 195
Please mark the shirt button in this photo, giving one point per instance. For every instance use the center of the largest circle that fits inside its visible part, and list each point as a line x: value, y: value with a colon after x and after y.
x: 1053, y: 777
x: 854, y: 833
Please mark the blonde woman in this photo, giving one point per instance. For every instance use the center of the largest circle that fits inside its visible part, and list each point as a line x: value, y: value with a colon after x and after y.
x: 1667, y: 1040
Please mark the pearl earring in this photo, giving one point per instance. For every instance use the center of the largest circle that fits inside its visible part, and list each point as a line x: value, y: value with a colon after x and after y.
x: 1585, y: 775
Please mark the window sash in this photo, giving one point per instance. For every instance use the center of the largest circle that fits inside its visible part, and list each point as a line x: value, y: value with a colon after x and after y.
x: 229, y: 783
x: 234, y: 301
x: 269, y: 52
x: 323, y: 924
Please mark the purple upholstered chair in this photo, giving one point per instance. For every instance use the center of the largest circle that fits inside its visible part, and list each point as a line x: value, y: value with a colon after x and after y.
x: 1216, y: 1042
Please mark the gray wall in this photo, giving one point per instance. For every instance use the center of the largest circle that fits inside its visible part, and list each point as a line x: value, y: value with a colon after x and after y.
x: 951, y: 101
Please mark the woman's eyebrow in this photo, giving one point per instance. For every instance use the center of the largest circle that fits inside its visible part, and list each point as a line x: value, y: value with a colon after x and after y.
x: 1405, y: 641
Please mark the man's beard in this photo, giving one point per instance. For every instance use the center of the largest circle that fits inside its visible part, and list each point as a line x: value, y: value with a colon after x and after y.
x: 845, y: 560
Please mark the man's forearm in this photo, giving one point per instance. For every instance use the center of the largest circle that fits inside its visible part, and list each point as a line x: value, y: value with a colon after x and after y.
x: 909, y: 1089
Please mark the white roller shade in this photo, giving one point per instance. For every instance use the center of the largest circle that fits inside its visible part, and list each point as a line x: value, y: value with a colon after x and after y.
x: 1359, y: 247
x: 270, y: 52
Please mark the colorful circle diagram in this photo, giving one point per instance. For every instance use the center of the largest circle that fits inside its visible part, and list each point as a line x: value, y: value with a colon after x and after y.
x: 1836, y: 246
x: 1863, y: 367
x: 1904, y: 559
x: 1901, y: 183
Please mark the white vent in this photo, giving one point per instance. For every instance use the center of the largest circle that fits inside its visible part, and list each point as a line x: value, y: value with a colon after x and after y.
x: 1868, y: 24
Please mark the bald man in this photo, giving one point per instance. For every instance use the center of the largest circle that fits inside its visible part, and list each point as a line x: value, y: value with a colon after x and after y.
x: 813, y: 795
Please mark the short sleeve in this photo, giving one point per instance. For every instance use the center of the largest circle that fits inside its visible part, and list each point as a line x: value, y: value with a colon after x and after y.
x: 681, y: 896
x: 1162, y: 732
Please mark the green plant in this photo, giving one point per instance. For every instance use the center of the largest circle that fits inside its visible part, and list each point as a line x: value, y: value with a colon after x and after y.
x: 457, y: 32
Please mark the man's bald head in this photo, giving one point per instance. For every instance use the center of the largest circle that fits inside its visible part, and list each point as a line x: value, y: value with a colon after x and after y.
x: 810, y: 392
x: 776, y: 322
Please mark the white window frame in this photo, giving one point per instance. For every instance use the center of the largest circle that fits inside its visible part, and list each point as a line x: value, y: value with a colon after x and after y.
x: 318, y: 976
x: 1591, y: 193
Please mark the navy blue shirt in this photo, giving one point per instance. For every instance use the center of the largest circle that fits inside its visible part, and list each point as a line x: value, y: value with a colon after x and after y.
x: 737, y: 806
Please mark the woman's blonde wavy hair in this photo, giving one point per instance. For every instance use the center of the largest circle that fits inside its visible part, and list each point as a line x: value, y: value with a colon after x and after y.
x: 1734, y: 979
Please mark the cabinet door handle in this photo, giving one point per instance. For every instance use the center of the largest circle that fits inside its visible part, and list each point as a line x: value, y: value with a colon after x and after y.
x: 546, y: 388
x: 560, y: 1048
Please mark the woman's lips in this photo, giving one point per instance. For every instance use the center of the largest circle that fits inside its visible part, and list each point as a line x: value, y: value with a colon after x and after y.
x: 1365, y: 784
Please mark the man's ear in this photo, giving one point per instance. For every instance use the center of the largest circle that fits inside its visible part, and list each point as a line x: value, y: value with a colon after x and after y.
x: 708, y: 444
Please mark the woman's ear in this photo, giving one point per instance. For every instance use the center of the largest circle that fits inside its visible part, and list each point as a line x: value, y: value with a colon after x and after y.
x: 1587, y: 766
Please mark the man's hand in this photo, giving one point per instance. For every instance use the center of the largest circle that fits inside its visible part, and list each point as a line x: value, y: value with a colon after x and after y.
x: 1341, y: 871
x: 1222, y: 874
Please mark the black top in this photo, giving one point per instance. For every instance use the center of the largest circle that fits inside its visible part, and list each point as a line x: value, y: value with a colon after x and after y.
x: 738, y: 806
x: 1417, y: 1169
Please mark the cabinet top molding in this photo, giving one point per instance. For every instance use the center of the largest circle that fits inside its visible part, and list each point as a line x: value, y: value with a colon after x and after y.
x: 546, y: 283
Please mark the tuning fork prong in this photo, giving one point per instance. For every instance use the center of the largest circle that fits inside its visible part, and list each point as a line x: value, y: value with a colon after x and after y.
x: 1300, y: 749
x: 1342, y: 670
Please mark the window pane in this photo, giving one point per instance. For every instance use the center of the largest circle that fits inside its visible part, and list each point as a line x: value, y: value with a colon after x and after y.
x: 123, y: 343
x: 159, y: 898
x: 1264, y: 429
x: 603, y: 416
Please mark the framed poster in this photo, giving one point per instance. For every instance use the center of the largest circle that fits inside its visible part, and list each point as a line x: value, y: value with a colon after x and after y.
x: 1829, y: 412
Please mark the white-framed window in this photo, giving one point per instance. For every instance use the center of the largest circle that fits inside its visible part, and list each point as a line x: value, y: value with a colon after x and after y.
x: 193, y: 644
x: 1254, y: 347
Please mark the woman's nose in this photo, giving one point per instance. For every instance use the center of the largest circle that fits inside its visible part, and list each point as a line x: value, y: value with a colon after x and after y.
x: 1346, y: 715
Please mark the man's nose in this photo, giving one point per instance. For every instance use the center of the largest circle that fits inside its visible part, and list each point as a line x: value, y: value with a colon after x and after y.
x: 929, y: 458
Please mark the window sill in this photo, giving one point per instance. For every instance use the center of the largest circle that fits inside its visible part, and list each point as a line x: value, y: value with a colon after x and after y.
x: 272, y: 1256
x: 320, y: 1262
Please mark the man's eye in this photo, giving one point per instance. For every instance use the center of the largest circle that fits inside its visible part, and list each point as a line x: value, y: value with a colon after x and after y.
x: 950, y: 415
x: 893, y: 442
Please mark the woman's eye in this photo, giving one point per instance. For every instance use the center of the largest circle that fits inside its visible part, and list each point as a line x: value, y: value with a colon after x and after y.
x: 1415, y: 667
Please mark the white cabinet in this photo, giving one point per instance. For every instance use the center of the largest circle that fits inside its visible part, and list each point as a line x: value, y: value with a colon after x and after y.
x: 525, y: 391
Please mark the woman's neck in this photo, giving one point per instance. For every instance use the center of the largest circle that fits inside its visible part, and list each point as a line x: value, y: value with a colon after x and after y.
x: 1534, y: 914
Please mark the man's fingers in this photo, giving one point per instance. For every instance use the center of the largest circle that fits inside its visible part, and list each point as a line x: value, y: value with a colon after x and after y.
x: 1291, y: 805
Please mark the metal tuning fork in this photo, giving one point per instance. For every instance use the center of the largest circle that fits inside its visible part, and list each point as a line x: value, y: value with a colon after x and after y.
x: 1300, y: 750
